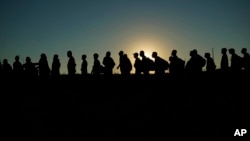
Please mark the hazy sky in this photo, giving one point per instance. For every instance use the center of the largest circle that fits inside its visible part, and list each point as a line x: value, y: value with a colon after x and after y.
x: 32, y: 27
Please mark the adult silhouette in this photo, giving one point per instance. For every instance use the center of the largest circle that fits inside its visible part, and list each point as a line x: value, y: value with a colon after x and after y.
x: 43, y: 66
x: 246, y: 60
x: 30, y: 69
x: 121, y: 65
x: 195, y: 63
x: 147, y: 64
x: 97, y: 68
x: 160, y: 64
x: 108, y: 63
x: 176, y: 65
x: 71, y: 64
x: 127, y: 65
x: 137, y: 64
x: 190, y: 63
x: 17, y: 67
x: 236, y: 61
x: 124, y: 63
x: 210, y: 65
x: 7, y: 69
x: 55, y: 69
x: 224, y: 65
x: 84, y: 66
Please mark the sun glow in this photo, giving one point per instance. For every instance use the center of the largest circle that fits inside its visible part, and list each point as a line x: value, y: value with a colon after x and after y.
x: 149, y: 44
x: 148, y: 47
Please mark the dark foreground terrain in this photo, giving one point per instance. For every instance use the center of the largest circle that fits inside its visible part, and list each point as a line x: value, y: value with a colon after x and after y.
x: 125, y: 108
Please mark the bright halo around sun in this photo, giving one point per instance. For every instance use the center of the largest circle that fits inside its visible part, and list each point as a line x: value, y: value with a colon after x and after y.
x: 147, y: 46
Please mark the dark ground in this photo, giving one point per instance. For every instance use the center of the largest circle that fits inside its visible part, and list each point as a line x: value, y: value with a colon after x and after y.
x: 118, y: 108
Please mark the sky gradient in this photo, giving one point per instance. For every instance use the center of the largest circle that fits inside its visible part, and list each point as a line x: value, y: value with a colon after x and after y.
x: 32, y: 27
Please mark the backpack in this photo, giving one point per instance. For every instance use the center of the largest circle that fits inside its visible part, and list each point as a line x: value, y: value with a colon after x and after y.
x: 150, y: 64
x: 164, y: 64
x: 181, y: 63
x: 202, y: 61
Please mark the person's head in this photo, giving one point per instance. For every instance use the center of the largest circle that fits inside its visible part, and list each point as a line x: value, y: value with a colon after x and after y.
x: 243, y: 50
x: 154, y: 54
x: 207, y: 55
x: 125, y: 56
x: 174, y: 52
x: 223, y: 50
x: 121, y: 53
x: 43, y: 56
x: 231, y: 51
x: 5, y: 61
x: 171, y: 58
x: 84, y: 56
x: 96, y: 56
x: 55, y: 57
x: 195, y: 52
x: 28, y: 59
x: 136, y: 55
x: 69, y: 53
x: 142, y: 54
x: 17, y: 58
x: 108, y: 54
x: 191, y: 53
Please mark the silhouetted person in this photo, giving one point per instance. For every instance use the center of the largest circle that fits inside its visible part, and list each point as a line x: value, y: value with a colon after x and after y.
x: 108, y: 63
x: 224, y: 66
x: 17, y: 67
x: 176, y: 65
x: 190, y: 63
x: 55, y: 69
x: 7, y: 69
x: 97, y: 68
x: 84, y: 66
x: 160, y: 64
x: 236, y: 61
x: 127, y: 65
x: 29, y: 68
x: 43, y: 66
x: 137, y: 64
x: 246, y: 59
x: 210, y: 65
x: 195, y: 63
x: 121, y: 62
x: 147, y: 64
x: 71, y: 64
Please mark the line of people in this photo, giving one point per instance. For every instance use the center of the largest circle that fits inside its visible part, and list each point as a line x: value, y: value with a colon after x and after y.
x: 142, y: 64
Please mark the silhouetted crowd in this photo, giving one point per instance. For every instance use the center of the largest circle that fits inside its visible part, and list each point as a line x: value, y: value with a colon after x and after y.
x: 142, y: 64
